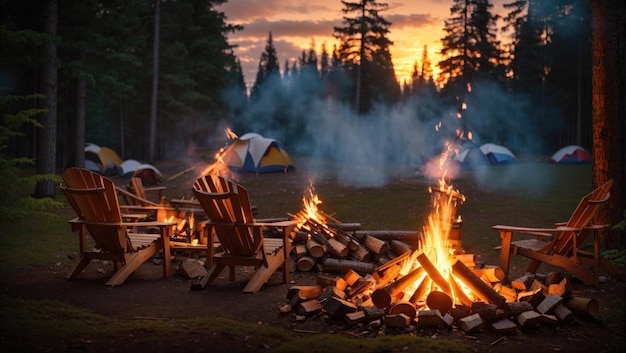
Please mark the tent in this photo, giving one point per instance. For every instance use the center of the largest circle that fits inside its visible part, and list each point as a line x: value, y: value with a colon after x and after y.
x: 148, y: 173
x: 497, y: 154
x: 571, y: 155
x: 105, y: 160
x: 257, y: 154
x: 470, y: 157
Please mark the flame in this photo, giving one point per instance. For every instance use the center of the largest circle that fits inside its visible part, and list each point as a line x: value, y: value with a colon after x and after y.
x: 310, y: 211
x: 219, y: 167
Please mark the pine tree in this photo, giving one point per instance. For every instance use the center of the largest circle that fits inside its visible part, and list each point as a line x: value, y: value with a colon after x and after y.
x: 268, y: 67
x: 364, y: 51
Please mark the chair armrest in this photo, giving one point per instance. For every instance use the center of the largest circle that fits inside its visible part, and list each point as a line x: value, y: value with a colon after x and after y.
x: 542, y: 232
x: 123, y: 224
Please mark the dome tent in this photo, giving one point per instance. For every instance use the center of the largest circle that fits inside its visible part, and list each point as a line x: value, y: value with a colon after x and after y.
x: 498, y: 154
x: 571, y: 154
x: 257, y: 154
x: 102, y: 160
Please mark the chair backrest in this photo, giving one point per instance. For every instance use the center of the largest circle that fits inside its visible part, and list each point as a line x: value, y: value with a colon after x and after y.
x: 94, y: 198
x: 581, y: 217
x: 137, y: 186
x: 227, y: 206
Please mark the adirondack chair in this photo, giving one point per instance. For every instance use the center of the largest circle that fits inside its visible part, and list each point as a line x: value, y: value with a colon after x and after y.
x: 94, y: 199
x: 560, y: 246
x: 135, y: 186
x: 241, y: 238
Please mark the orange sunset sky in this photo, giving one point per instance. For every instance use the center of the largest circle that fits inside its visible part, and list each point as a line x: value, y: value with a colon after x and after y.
x: 295, y: 23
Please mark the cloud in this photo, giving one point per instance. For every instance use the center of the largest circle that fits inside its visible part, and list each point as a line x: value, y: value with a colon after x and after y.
x: 260, y: 28
x: 415, y: 20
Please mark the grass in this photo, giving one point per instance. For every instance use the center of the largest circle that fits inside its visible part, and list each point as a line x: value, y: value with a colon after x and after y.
x: 528, y: 194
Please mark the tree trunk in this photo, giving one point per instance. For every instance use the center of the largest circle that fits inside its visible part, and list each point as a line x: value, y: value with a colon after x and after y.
x: 46, y: 137
x: 81, y: 113
x: 608, y: 142
x: 155, y: 81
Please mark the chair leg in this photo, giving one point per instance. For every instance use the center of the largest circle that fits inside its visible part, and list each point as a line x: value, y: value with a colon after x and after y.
x: 133, y: 262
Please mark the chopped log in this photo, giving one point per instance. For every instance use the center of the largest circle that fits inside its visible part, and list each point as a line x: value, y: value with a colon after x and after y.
x: 508, y: 293
x: 396, y: 261
x: 403, y: 307
x: 434, y: 273
x: 429, y: 318
x: 537, y: 284
x: 468, y: 260
x: 341, y: 266
x: 382, y: 297
x: 346, y: 227
x: 349, y: 241
x: 504, y: 327
x: 300, y: 237
x: 399, y: 247
x: 360, y: 254
x: 552, y: 278
x: 448, y: 319
x: 513, y: 309
x: 549, y: 303
x: 306, y: 263
x: 437, y: 300
x: 389, y: 275
x: 528, y: 319
x: 488, y: 312
x: 309, y: 307
x: 471, y: 323
x: 409, y: 237
x: 460, y: 311
x: 374, y: 244
x: 549, y: 319
x: 527, y: 295
x: 192, y: 269
x: 351, y: 277
x: 360, y: 286
x: 581, y: 305
x: 372, y: 313
x: 478, y: 287
x: 331, y: 281
x: 354, y: 318
x: 315, y: 248
x: 397, y: 320
x: 306, y: 292
x: 561, y: 289
x: 331, y: 292
x: 492, y: 273
x: 523, y: 282
x: 460, y: 294
x: 300, y: 250
x: 337, y: 308
x: 421, y: 290
x: 338, y: 248
x: 562, y: 312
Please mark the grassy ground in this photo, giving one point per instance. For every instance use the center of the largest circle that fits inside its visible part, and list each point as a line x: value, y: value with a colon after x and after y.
x: 530, y: 194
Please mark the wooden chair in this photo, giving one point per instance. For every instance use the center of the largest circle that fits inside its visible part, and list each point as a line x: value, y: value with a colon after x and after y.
x: 136, y: 187
x: 242, y: 239
x: 563, y: 249
x: 94, y: 199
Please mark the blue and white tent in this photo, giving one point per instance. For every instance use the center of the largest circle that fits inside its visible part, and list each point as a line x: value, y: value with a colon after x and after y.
x: 498, y: 154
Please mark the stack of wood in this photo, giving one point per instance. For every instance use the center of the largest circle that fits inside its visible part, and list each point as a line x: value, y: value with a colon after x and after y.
x: 382, y: 297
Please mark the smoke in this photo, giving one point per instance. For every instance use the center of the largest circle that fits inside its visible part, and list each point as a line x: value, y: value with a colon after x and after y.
x: 367, y: 150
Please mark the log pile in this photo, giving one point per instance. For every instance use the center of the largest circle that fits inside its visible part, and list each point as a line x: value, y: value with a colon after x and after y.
x: 381, y: 298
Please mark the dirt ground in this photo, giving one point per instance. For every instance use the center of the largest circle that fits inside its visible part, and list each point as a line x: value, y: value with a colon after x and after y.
x: 145, y: 295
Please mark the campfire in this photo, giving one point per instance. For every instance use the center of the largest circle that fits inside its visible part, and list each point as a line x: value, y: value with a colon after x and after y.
x: 406, y: 277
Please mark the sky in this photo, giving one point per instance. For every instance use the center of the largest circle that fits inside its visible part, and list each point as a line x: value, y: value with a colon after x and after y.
x: 297, y: 24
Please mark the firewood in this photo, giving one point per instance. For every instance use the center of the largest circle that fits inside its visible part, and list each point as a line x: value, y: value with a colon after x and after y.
x: 388, y: 275
x: 351, y: 277
x: 434, y: 273
x: 300, y: 250
x: 398, y: 260
x: 561, y: 289
x: 360, y: 254
x: 459, y: 292
x: 306, y: 292
x: 360, y: 286
x: 325, y: 280
x: 354, y: 318
x: 341, y: 266
x: 309, y: 307
x: 513, y: 309
x: 315, y: 248
x: 351, y: 243
x: 460, y: 311
x: 549, y: 319
x: 338, y: 248
x: 397, y: 320
x: 562, y: 312
x: 492, y: 273
x: 488, y: 312
x: 430, y: 317
x: 581, y: 305
x: 374, y: 244
x: 346, y: 227
x: 192, y: 269
x: 523, y: 282
x: 403, y: 307
x: 471, y: 323
x: 477, y: 285
x: 528, y: 319
x: 549, y: 303
x: 372, y: 313
x: 382, y: 297
x: 300, y: 237
x: 306, y: 263
x: 439, y: 301
x: 399, y: 247
x: 332, y: 292
x: 421, y: 290
x: 504, y: 327
x: 552, y: 278
x: 468, y: 260
x: 410, y: 237
x: 337, y: 308
x: 508, y: 293
x: 527, y: 295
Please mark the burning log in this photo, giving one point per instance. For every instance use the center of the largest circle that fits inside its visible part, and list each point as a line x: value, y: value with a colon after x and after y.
x: 409, y: 237
x: 421, y: 290
x: 477, y: 285
x: 383, y: 297
x: 434, y: 274
x: 492, y: 274
x: 459, y: 293
x: 440, y: 301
